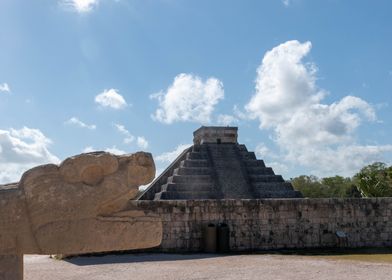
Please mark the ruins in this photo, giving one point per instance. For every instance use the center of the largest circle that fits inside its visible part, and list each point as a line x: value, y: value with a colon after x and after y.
x: 217, y: 167
x: 80, y: 206
x: 218, y: 181
x: 88, y: 204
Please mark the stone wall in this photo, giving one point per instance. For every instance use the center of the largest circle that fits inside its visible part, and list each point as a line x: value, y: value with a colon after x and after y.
x: 275, y: 223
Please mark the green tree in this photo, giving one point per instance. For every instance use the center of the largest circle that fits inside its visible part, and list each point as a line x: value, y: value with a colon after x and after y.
x: 375, y: 180
x: 337, y: 186
x: 309, y: 186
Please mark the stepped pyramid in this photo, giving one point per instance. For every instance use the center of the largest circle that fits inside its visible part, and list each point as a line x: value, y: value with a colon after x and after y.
x: 217, y: 167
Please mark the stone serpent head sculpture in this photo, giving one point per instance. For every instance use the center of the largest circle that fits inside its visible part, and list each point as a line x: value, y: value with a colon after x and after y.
x: 80, y: 206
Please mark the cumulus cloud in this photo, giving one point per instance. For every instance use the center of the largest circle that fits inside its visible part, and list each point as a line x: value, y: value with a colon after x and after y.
x: 169, y: 157
x: 262, y: 150
x: 77, y: 122
x: 141, y: 142
x: 111, y: 99
x: 4, y: 87
x: 189, y: 98
x: 345, y: 159
x: 81, y: 6
x: 129, y: 138
x: 88, y: 149
x: 113, y: 150
x: 224, y: 119
x: 278, y: 167
x: 311, y: 133
x: 22, y: 149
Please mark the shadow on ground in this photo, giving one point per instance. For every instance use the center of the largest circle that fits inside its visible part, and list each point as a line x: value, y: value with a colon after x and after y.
x: 364, y: 254
x: 135, y: 258
x: 331, y: 251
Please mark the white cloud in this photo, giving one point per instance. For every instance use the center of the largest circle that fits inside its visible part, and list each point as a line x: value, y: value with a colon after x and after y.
x: 169, y: 157
x: 278, y: 167
x: 121, y: 128
x: 22, y: 149
x: 129, y: 138
x: 189, y: 98
x: 88, y: 149
x: 113, y: 150
x: 286, y: 2
x: 81, y: 6
x: 262, y: 150
x: 111, y: 98
x: 316, y: 135
x: 4, y: 87
x: 225, y: 120
x: 141, y: 142
x: 240, y: 115
x: 343, y: 159
x: 284, y: 85
x: 77, y: 122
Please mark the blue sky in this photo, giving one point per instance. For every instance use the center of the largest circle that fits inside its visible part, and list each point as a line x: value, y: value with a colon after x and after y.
x: 309, y: 83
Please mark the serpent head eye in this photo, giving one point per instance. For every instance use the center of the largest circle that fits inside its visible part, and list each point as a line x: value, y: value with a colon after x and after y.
x: 88, y: 168
x: 92, y: 175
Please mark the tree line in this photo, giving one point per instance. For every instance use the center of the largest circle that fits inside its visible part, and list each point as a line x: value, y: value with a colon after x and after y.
x: 374, y: 180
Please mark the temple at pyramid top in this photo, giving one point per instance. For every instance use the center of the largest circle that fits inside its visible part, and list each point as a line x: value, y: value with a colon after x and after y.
x: 215, y: 134
x: 217, y: 167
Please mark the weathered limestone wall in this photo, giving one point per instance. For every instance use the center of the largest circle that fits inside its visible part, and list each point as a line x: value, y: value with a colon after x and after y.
x: 275, y: 223
x: 211, y: 134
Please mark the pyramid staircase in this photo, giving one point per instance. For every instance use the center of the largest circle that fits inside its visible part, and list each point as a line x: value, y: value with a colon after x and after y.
x: 192, y: 179
x: 218, y: 171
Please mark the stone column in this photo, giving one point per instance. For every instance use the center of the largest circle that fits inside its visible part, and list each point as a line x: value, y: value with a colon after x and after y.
x: 11, y: 267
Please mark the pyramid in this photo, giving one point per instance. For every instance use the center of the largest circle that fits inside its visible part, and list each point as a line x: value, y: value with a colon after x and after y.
x: 217, y: 167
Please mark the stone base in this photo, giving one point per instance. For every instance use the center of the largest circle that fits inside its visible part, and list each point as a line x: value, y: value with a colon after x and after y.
x: 11, y: 267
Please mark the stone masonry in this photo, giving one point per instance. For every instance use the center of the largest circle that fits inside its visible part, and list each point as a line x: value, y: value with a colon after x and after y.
x: 217, y: 167
x: 79, y: 206
x: 275, y: 223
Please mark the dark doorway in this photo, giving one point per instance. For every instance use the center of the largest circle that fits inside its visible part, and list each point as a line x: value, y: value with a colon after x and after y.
x: 218, y: 141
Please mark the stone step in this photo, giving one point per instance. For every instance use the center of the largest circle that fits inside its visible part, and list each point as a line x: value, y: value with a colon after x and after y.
x: 242, y: 147
x: 258, y: 170
x: 216, y: 158
x: 189, y: 178
x: 196, y: 155
x: 187, y: 195
x: 266, y: 178
x: 223, y: 162
x: 277, y: 186
x: 248, y: 155
x: 199, y: 149
x: 225, y: 158
x: 252, y: 163
x: 192, y: 171
x: 196, y: 148
x: 194, y: 163
x: 200, y: 187
x: 224, y: 147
